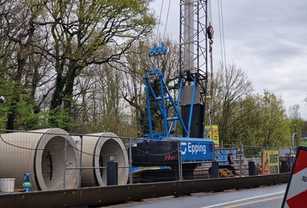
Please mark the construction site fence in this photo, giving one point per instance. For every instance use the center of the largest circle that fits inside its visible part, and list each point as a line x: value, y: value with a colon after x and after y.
x: 75, y: 159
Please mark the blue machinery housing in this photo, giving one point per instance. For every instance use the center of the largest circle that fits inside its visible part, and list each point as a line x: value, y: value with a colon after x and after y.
x: 166, y: 152
x: 196, y: 150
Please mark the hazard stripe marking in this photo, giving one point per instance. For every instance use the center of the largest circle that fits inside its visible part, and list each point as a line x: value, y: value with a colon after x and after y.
x: 301, y: 162
x: 296, y: 193
x: 299, y: 201
x: 297, y: 184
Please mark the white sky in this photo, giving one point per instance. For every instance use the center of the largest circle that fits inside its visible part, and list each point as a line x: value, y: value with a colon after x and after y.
x: 266, y: 38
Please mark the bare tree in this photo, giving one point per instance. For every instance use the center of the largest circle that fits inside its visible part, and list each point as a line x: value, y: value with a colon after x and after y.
x: 137, y: 62
x: 230, y: 86
x: 85, y: 33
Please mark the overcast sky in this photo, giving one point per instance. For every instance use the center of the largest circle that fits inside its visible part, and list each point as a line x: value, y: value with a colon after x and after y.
x: 266, y: 38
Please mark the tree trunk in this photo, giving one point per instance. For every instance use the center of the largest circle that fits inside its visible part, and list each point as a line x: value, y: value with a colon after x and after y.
x: 69, y: 86
x: 57, y: 97
x: 12, y: 113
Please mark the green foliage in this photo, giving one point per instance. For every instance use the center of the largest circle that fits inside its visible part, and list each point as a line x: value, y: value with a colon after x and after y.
x: 298, y: 140
x: 259, y: 120
x: 276, y: 130
x: 6, y: 92
x: 296, y: 124
x: 303, y: 143
x: 25, y: 116
x: 59, y: 119
x: 249, y: 118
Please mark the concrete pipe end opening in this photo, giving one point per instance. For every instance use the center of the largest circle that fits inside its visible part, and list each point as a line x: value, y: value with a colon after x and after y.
x: 110, y: 147
x: 54, y: 157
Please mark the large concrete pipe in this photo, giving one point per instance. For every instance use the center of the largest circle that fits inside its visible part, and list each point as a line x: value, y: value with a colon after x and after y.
x: 97, y: 150
x: 45, y: 153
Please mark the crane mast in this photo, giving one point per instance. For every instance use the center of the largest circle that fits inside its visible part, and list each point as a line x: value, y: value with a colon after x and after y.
x: 188, y: 41
x: 193, y: 36
x: 194, y: 64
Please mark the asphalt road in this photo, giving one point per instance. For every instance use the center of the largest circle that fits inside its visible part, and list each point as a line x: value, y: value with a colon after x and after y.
x: 264, y: 197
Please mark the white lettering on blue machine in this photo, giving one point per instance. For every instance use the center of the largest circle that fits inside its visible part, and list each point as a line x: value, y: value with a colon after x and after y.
x: 190, y: 148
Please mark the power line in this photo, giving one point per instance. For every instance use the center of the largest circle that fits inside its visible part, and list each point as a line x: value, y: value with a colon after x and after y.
x: 221, y: 33
x: 19, y: 146
x: 160, y: 15
x: 167, y: 16
x: 210, y: 10
x: 45, y: 149
x: 72, y: 146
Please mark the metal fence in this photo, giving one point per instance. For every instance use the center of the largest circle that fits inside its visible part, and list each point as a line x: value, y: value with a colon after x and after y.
x: 59, y: 160
x: 56, y: 159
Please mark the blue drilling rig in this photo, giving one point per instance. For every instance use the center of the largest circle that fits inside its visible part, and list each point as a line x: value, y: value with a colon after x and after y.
x: 176, y: 139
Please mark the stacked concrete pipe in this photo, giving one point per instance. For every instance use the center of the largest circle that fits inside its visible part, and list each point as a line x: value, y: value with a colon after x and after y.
x: 97, y: 150
x: 44, y: 153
